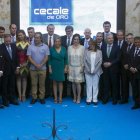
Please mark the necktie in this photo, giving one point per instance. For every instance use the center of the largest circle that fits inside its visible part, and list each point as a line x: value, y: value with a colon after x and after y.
x: 12, y: 39
x: 120, y: 44
x: 136, y: 52
x: 108, y: 51
x: 50, y: 42
x: 86, y: 44
x: 68, y: 42
x: 30, y: 40
x: 9, y: 51
x: 129, y: 48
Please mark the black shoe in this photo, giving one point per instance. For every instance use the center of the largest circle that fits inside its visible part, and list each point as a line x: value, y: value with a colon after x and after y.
x: 42, y: 101
x: 114, y: 102
x: 1, y: 106
x: 33, y: 101
x: 6, y: 103
x: 95, y: 103
x: 123, y: 102
x: 88, y: 103
x: 104, y: 102
x: 135, y: 107
x: 14, y: 102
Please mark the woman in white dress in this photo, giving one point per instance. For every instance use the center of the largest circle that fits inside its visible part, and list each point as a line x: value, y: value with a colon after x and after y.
x: 76, y: 65
x: 93, y: 70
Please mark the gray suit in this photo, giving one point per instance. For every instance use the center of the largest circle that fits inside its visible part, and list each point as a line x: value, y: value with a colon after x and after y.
x: 45, y: 38
x: 98, y: 62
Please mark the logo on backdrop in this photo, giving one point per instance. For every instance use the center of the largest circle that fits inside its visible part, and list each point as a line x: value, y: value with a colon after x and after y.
x: 51, y: 11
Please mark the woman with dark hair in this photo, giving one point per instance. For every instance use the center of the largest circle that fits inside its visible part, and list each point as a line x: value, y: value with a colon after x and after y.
x: 93, y: 70
x: 22, y: 45
x: 75, y: 67
x: 58, y: 61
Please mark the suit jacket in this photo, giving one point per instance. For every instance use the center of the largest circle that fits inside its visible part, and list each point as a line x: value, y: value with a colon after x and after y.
x: 87, y: 62
x: 45, y: 38
x: 1, y: 61
x: 125, y: 54
x: 64, y: 41
x: 9, y: 64
x: 114, y: 36
x: 134, y: 61
x: 102, y: 45
x: 83, y: 40
x: 113, y: 58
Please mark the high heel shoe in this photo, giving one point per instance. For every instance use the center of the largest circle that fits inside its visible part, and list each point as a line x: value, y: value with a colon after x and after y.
x: 23, y: 99
x: 60, y: 101
x: 55, y: 101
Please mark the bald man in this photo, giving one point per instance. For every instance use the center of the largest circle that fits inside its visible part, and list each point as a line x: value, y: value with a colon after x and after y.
x: 87, y: 38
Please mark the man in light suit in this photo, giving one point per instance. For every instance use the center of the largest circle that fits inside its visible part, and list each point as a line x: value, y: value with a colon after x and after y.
x: 110, y: 65
x: 48, y: 39
x: 10, y: 67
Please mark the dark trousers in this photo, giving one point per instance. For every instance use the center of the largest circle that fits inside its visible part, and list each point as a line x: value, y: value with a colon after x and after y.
x: 110, y: 81
x: 125, y: 79
x: 8, y: 88
x: 136, y: 89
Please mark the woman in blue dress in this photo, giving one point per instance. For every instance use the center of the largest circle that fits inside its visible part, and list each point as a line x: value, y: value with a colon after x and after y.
x: 58, y: 61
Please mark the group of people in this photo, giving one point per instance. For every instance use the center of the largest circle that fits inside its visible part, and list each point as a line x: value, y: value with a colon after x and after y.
x: 52, y: 65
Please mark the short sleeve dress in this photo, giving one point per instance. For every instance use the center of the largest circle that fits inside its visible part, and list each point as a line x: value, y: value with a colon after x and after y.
x: 58, y: 61
x: 76, y: 63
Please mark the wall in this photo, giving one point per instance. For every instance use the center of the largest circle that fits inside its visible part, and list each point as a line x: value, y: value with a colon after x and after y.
x: 133, y: 17
x: 5, y: 14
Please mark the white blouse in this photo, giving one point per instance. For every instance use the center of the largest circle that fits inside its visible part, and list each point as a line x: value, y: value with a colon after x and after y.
x: 92, y: 58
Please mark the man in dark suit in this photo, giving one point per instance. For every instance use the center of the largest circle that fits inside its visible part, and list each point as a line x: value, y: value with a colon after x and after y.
x: 125, y: 73
x: 1, y: 74
x: 134, y: 67
x: 111, y: 55
x: 48, y: 39
x: 2, y: 32
x: 10, y: 68
x: 99, y: 40
x: 107, y: 27
x: 66, y: 41
x: 13, y: 31
x: 122, y: 78
x: 87, y: 38
x: 31, y: 34
x: 100, y: 44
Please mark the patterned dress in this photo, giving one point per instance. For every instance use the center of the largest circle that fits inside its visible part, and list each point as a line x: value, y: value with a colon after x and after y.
x: 76, y: 63
x: 21, y: 52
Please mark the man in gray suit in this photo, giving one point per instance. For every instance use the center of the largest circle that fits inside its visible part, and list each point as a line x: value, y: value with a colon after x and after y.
x: 48, y: 39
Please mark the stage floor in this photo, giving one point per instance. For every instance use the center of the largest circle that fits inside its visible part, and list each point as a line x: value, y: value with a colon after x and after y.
x: 102, y: 122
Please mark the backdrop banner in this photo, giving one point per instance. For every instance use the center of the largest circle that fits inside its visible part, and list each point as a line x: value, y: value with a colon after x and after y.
x: 51, y: 11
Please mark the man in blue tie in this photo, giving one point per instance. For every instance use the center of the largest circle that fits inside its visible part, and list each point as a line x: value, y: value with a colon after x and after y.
x: 10, y: 67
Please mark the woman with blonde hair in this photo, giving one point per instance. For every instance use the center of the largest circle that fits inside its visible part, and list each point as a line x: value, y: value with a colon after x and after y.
x: 93, y: 70
x: 22, y: 45
x: 75, y: 67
